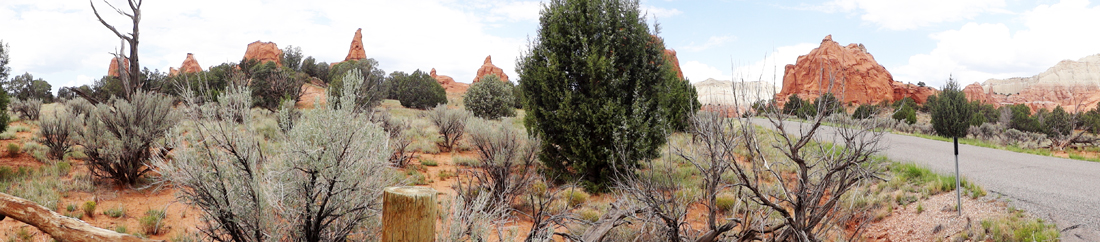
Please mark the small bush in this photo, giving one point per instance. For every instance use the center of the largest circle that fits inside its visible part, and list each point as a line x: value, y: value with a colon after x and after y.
x: 864, y: 111
x: 63, y: 168
x: 26, y: 109
x: 465, y: 161
x: 906, y: 113
x: 115, y: 212
x: 725, y: 201
x: 589, y: 214
x: 417, y: 90
x: 575, y: 196
x: 56, y: 129
x: 13, y: 150
x: 20, y: 128
x: 89, y: 208
x: 151, y: 222
x: 70, y: 207
x: 490, y: 98
x: 7, y: 136
x: 451, y: 123
x: 445, y: 174
x: 429, y: 162
x: 119, y: 135
x: 121, y: 229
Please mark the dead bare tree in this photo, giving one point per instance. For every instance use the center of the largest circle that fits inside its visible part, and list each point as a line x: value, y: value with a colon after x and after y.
x: 814, y: 167
x: 131, y: 78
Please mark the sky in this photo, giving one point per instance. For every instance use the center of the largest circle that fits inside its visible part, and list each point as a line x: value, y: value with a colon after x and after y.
x: 927, y: 41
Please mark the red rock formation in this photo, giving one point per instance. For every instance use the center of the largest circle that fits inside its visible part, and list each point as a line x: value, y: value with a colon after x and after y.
x: 264, y: 52
x: 190, y: 65
x: 356, y: 51
x: 449, y: 83
x: 1073, y: 85
x: 488, y: 68
x: 113, y: 69
x: 670, y: 55
x: 859, y: 79
x: 975, y: 92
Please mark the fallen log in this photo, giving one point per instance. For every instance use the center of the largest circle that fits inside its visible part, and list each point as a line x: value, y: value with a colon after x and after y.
x: 60, y: 227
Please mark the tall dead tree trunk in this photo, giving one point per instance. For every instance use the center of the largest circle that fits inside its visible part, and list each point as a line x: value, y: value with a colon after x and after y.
x: 132, y: 81
x: 59, y: 227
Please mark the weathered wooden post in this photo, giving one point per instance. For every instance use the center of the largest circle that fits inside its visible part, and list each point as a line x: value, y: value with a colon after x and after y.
x: 408, y: 214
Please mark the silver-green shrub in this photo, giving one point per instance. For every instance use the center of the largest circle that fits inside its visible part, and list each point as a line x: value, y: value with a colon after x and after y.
x: 118, y: 136
x: 490, y: 98
x: 508, y: 159
x: 451, y: 124
x: 56, y: 131
x: 321, y: 181
x: 27, y: 109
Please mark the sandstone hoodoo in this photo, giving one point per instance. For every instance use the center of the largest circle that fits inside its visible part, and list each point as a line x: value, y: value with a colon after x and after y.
x: 263, y: 52
x: 356, y: 52
x: 449, y: 83
x: 859, y: 79
x: 1073, y: 85
x: 113, y: 69
x: 670, y: 55
x: 190, y: 65
x: 488, y: 68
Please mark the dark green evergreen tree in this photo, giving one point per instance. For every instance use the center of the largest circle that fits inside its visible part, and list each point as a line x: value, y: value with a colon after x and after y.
x: 417, y: 90
x: 950, y: 111
x: 595, y: 83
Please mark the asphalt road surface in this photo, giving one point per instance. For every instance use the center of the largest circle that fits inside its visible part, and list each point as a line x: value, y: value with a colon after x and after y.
x: 1064, y: 191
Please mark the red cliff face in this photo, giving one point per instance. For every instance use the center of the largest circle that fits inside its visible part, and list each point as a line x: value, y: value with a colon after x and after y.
x: 488, y: 68
x: 449, y: 83
x: 857, y: 77
x: 264, y: 52
x: 356, y: 52
x: 670, y: 55
x: 113, y: 69
x: 190, y: 65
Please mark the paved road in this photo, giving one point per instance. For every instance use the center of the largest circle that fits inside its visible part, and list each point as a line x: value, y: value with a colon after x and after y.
x: 1061, y: 190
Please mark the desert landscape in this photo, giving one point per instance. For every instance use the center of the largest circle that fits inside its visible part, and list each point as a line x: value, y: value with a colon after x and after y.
x: 589, y: 138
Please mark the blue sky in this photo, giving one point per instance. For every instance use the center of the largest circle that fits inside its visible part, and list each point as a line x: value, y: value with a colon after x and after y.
x: 974, y: 40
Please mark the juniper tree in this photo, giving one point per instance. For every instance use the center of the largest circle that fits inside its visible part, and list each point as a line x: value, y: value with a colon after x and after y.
x: 593, y: 78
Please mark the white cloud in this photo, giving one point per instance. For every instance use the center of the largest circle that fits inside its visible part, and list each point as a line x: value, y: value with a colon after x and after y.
x: 65, y: 44
x: 660, y: 13
x: 714, y: 41
x: 698, y: 71
x: 903, y: 14
x: 976, y: 52
x: 771, y: 67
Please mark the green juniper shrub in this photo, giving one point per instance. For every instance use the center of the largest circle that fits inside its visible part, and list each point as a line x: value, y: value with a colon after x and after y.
x: 517, y: 92
x: 907, y: 113
x: 679, y: 102
x: 490, y: 98
x: 829, y: 104
x: 272, y: 84
x: 1021, y: 119
x: 950, y: 111
x: 865, y: 111
x: 597, y: 105
x: 152, y: 222
x: 416, y: 90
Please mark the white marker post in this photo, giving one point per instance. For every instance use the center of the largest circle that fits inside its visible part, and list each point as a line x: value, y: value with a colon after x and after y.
x: 958, y: 187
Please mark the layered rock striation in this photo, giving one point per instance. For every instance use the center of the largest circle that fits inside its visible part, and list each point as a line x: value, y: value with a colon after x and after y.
x: 1073, y: 85
x: 849, y: 72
